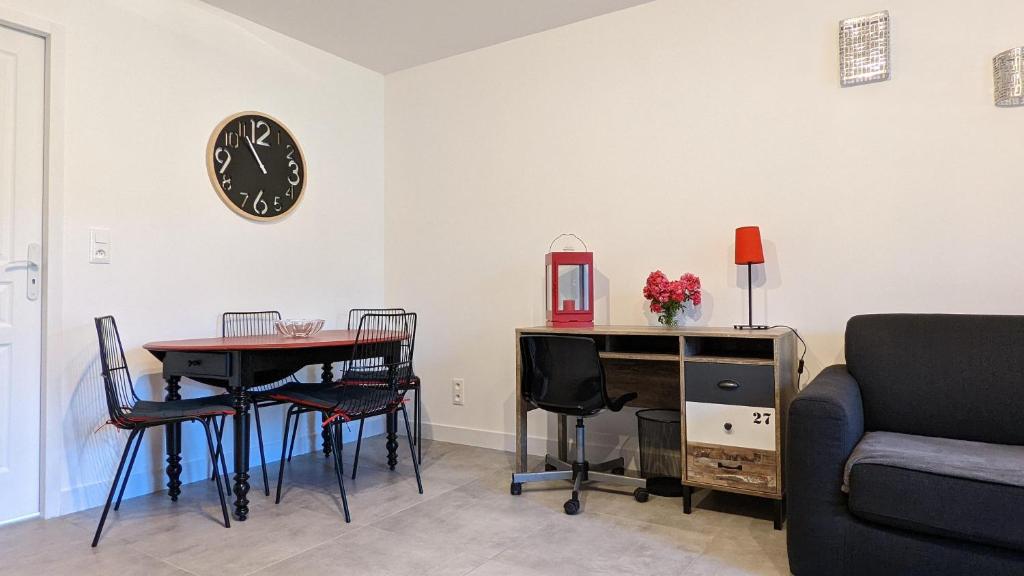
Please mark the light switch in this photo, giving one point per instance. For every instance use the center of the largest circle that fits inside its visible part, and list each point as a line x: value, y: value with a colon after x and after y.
x: 99, y: 245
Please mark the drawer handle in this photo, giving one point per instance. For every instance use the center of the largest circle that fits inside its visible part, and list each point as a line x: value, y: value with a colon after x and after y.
x: 727, y: 467
x: 728, y: 385
x: 192, y: 363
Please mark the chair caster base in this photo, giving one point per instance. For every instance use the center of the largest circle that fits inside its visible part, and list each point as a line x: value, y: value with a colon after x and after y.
x: 641, y: 494
x: 516, y: 488
x: 572, y: 507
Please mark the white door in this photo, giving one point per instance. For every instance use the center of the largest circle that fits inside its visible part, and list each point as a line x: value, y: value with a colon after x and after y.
x: 22, y: 58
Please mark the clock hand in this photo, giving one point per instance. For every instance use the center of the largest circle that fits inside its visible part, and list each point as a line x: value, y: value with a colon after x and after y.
x: 255, y: 155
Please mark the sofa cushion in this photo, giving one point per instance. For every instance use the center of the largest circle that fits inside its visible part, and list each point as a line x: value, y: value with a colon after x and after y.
x: 946, y: 375
x: 928, y: 485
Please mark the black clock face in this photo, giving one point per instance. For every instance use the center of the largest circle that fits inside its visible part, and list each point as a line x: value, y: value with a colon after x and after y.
x: 256, y: 166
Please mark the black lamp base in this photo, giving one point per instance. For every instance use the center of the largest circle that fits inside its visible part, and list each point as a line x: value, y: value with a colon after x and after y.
x: 750, y: 327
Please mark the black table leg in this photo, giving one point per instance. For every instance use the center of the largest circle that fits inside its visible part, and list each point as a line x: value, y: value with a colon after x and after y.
x: 241, y: 487
x: 173, y: 438
x: 326, y: 377
x: 392, y: 443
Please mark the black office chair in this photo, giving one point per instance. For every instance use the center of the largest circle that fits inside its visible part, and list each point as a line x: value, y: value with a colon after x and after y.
x: 127, y: 412
x: 563, y: 374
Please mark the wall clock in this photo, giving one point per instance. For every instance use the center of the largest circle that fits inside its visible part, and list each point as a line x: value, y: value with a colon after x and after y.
x: 256, y: 166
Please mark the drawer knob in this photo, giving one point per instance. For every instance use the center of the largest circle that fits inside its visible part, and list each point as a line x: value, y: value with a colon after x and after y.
x: 728, y: 384
x: 728, y: 426
x: 727, y: 467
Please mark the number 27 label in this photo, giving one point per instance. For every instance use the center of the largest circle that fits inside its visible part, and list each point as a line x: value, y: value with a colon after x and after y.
x: 762, y: 417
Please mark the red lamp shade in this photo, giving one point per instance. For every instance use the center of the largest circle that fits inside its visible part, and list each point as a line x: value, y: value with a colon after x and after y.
x: 748, y: 245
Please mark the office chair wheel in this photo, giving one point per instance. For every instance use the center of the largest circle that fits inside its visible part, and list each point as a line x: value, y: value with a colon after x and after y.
x: 641, y: 494
x: 516, y: 488
x: 572, y: 507
x: 620, y: 471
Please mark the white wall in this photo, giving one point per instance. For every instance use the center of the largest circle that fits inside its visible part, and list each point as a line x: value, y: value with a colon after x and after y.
x: 655, y: 131
x: 146, y: 83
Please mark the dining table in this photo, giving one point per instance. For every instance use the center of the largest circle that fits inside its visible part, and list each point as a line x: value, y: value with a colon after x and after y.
x: 238, y: 364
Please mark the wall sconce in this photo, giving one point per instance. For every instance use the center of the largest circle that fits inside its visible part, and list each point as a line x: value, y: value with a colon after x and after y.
x: 864, y: 49
x: 1008, y: 77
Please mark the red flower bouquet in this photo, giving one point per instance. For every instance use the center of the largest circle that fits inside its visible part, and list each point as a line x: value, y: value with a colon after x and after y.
x: 668, y: 297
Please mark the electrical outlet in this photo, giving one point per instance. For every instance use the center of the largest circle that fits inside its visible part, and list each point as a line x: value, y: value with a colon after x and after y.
x: 458, y: 391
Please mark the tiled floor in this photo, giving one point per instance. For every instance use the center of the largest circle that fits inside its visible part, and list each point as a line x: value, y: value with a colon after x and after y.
x: 465, y: 523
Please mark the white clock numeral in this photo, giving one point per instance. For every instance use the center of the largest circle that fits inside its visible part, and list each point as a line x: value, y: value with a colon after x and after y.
x: 257, y: 202
x: 231, y: 139
x: 244, y: 200
x: 291, y: 151
x: 225, y: 183
x: 290, y: 193
x: 294, y: 166
x: 224, y: 157
x: 277, y: 204
x: 261, y: 140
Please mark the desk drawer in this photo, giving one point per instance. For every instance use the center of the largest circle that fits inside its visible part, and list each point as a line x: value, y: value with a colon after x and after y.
x: 728, y: 466
x: 198, y: 364
x: 743, y: 426
x: 739, y: 384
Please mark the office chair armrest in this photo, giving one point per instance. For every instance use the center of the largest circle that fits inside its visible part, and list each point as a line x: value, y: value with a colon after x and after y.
x: 616, y: 404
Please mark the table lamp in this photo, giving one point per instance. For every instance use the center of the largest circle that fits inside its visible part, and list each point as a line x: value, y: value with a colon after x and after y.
x: 749, y: 252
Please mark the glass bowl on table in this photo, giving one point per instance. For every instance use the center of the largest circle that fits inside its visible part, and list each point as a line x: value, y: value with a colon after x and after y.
x: 298, y: 328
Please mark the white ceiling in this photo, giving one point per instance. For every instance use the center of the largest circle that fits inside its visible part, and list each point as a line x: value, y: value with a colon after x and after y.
x: 391, y: 35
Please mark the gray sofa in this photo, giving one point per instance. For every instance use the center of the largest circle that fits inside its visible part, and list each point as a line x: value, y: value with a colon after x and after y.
x: 931, y: 407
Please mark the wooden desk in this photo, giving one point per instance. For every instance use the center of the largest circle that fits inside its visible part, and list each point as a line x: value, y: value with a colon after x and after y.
x: 654, y: 362
x: 239, y: 363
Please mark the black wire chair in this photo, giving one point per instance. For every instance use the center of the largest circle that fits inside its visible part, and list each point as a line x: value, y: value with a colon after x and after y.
x: 373, y: 384
x: 127, y: 412
x: 256, y: 324
x: 413, y: 385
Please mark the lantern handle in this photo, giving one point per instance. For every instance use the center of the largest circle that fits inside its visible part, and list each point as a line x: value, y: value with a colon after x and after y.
x: 585, y: 249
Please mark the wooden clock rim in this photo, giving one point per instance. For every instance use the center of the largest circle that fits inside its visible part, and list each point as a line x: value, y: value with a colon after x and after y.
x: 211, y: 170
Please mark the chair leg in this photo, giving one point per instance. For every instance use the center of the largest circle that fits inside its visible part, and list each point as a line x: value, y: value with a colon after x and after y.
x: 113, y: 488
x: 128, y: 472
x: 284, y: 447
x: 337, y: 469
x: 419, y: 426
x: 359, y: 444
x: 259, y: 440
x: 295, y: 433
x: 216, y: 473
x: 220, y: 449
x: 412, y: 449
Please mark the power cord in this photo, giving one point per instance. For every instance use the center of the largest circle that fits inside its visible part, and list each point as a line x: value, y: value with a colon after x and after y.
x: 800, y: 365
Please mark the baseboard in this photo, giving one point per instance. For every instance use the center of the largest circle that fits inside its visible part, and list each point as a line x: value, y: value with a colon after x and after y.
x: 599, y: 446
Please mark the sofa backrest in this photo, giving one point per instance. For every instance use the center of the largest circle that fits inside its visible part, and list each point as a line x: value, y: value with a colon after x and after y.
x: 947, y: 375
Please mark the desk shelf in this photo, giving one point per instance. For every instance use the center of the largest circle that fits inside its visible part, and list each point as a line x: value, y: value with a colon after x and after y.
x: 730, y: 360
x: 651, y: 357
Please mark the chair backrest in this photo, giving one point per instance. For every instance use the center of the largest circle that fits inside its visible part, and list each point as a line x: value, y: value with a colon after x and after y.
x: 117, y: 380
x: 253, y: 324
x: 249, y: 323
x: 356, y: 314
x: 562, y: 374
x: 383, y: 350
x: 947, y: 375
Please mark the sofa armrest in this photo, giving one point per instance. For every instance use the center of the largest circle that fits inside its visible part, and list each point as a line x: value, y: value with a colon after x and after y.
x: 826, y: 420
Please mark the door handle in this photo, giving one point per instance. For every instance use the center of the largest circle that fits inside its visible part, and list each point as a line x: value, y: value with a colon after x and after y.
x: 33, y: 277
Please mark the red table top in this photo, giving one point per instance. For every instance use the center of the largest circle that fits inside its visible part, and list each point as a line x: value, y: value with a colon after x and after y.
x: 322, y: 339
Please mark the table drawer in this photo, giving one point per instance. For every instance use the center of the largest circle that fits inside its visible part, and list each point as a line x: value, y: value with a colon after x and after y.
x: 732, y: 467
x: 198, y: 364
x: 742, y: 426
x: 741, y: 384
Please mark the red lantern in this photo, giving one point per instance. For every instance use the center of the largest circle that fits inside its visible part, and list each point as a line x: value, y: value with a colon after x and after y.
x: 570, y: 286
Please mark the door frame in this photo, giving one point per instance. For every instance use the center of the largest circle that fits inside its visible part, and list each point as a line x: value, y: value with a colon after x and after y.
x: 51, y: 370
